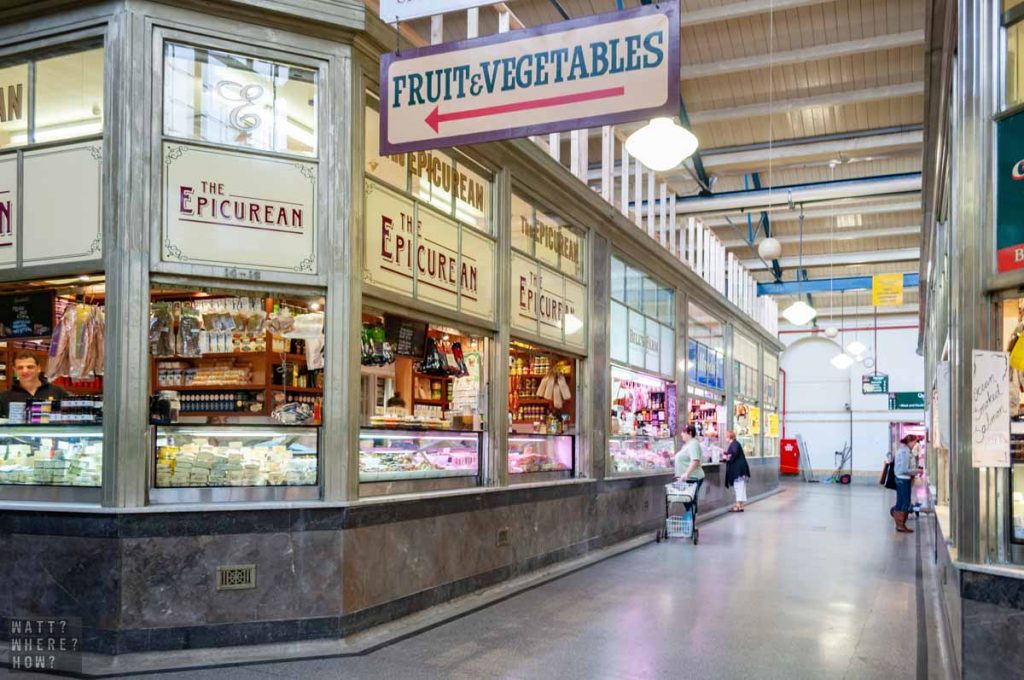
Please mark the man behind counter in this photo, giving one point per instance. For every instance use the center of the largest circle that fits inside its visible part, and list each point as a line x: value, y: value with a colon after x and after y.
x: 31, y: 383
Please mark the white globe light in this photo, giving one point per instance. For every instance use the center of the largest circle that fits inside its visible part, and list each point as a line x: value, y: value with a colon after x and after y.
x: 799, y: 313
x: 769, y: 248
x: 855, y: 348
x: 831, y: 332
x: 842, y: 361
x: 661, y: 144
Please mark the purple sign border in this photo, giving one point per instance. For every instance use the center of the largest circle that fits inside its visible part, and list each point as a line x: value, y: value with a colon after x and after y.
x: 669, y: 108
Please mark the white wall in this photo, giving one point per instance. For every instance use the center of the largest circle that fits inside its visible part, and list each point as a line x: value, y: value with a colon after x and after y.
x: 817, y: 393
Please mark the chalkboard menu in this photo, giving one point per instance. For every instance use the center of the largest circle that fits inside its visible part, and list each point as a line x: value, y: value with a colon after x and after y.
x: 406, y: 337
x: 26, y: 316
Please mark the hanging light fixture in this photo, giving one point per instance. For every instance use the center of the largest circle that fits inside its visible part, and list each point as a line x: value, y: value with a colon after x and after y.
x: 856, y: 348
x: 842, y: 361
x: 831, y: 332
x: 769, y: 248
x: 800, y: 313
x: 661, y: 144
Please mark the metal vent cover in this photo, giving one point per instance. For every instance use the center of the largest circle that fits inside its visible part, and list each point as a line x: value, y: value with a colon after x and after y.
x: 236, y: 577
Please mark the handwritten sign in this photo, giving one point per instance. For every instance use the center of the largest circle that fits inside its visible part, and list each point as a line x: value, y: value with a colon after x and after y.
x: 990, y: 409
x: 26, y: 316
x: 408, y: 337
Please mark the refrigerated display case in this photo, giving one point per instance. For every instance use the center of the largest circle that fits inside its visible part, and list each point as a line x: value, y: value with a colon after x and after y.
x: 387, y: 455
x: 631, y: 453
x: 51, y: 455
x: 541, y: 453
x: 235, y: 456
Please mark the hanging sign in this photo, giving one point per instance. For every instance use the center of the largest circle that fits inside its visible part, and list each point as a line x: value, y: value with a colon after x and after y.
x: 754, y: 416
x: 1010, y: 193
x: 600, y: 70
x: 906, y: 401
x: 422, y: 254
x: 230, y: 210
x: 403, y: 10
x: 773, y: 424
x: 26, y: 316
x: 887, y: 290
x: 990, y: 409
x: 874, y: 383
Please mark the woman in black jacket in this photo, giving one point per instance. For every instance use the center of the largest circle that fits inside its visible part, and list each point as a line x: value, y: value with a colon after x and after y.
x: 737, y: 472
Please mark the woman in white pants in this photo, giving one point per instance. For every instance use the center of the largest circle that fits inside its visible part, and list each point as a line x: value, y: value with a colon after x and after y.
x: 737, y: 472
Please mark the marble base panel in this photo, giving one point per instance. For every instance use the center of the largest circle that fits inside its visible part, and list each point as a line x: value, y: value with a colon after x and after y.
x: 992, y: 625
x: 147, y: 582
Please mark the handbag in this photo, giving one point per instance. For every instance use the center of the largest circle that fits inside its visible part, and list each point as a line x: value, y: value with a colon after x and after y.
x: 889, y: 476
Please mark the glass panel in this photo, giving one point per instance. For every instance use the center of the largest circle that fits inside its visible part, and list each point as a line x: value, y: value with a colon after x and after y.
x: 432, y: 183
x: 69, y: 96
x: 542, y: 391
x: 240, y: 101
x: 634, y: 287
x: 14, y: 105
x: 1015, y: 64
x: 619, y: 329
x: 637, y: 338
x: 572, y: 252
x: 618, y: 283
x: 391, y: 169
x: 666, y: 306
x: 641, y: 427
x: 233, y: 455
x: 522, y: 225
x: 388, y: 455
x: 472, y: 197
x: 547, y: 232
x: 51, y: 455
x: 650, y: 298
x: 538, y: 453
x: 1018, y: 502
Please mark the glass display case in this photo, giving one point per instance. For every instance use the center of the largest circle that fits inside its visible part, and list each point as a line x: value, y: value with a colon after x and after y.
x: 637, y: 453
x: 395, y: 455
x: 528, y: 453
x: 51, y: 455
x: 235, y: 456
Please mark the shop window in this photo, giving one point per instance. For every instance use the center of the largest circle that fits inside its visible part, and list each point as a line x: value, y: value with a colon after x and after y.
x: 542, y: 410
x: 747, y: 418
x: 236, y: 100
x: 1015, y: 64
x: 642, y: 422
x: 770, y: 424
x: 237, y: 385
x: 448, y: 182
x: 54, y: 97
x: 642, y: 324
x: 51, y: 376
x: 1012, y: 329
x: 422, y: 400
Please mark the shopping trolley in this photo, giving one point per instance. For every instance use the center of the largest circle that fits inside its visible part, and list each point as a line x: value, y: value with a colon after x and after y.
x: 685, y: 525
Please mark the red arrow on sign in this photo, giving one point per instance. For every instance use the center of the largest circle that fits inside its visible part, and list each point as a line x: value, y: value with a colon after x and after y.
x: 435, y: 117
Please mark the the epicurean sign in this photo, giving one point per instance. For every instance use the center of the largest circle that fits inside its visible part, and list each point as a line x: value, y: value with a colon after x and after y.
x: 229, y: 209
x: 600, y: 70
x: 547, y: 303
x: 423, y: 254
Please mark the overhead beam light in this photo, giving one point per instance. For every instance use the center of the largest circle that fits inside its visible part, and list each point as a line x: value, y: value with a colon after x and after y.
x: 799, y: 313
x: 661, y: 144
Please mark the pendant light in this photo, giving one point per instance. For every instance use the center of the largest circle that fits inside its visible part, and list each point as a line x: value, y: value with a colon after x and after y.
x: 661, y: 144
x: 800, y: 313
x: 842, y: 361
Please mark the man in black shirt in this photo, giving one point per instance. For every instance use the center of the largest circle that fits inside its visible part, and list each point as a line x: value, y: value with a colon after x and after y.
x: 31, y: 384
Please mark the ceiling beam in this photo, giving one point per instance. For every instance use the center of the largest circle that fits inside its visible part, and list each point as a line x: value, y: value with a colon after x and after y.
x: 784, y: 196
x: 859, y: 257
x: 838, y: 235
x: 735, y: 10
x: 834, y: 149
x: 789, y: 105
x: 910, y: 280
x: 824, y: 212
x: 826, y: 51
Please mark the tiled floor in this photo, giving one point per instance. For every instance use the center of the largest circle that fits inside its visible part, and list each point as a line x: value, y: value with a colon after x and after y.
x: 811, y: 583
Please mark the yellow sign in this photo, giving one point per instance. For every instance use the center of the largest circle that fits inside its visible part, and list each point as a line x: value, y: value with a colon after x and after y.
x: 887, y: 290
x: 755, y: 420
x: 773, y: 424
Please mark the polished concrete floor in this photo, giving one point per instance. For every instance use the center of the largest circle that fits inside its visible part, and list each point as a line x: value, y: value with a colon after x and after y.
x: 810, y: 583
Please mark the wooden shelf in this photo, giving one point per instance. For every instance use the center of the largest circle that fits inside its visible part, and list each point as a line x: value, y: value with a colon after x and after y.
x: 435, y: 377
x: 535, y: 400
x: 430, y: 402
x: 207, y: 414
x: 287, y: 357
x: 212, y: 388
x: 215, y: 355
x: 302, y: 390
